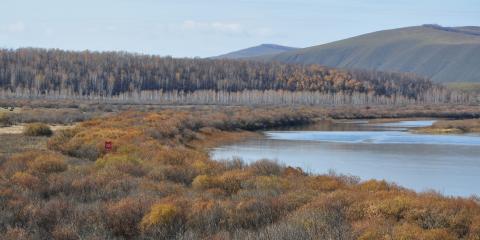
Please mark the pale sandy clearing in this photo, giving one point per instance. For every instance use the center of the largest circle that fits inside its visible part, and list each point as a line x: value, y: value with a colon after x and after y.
x: 18, y: 129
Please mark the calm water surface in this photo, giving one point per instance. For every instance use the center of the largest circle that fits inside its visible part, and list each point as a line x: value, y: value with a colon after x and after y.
x: 449, y: 164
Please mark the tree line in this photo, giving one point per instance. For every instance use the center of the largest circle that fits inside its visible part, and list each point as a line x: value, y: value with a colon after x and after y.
x: 41, y: 71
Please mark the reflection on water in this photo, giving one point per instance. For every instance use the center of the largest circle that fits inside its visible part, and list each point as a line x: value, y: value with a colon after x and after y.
x: 445, y: 163
x: 377, y: 137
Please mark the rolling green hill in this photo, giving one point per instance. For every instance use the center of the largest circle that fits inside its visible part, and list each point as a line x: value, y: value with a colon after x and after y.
x: 441, y: 53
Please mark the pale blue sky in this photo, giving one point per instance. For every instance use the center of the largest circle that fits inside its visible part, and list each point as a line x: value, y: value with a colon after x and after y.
x: 211, y: 27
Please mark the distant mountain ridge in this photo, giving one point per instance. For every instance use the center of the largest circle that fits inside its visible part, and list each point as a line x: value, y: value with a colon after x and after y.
x: 260, y: 50
x: 443, y: 54
x: 473, y: 30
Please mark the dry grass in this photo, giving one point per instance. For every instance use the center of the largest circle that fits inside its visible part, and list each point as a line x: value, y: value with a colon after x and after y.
x: 452, y: 126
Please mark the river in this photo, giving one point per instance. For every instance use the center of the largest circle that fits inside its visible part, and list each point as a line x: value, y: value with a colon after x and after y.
x: 448, y: 164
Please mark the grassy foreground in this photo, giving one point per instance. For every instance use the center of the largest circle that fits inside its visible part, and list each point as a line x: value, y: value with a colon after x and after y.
x: 158, y: 182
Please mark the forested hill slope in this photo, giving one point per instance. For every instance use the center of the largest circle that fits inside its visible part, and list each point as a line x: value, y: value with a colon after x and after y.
x: 46, y: 72
x: 443, y: 54
x: 261, y: 50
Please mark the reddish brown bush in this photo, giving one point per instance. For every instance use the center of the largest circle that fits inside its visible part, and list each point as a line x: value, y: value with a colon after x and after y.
x: 123, y: 217
x: 65, y: 232
x: 25, y: 180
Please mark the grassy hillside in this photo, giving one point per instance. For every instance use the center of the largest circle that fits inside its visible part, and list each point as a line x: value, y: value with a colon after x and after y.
x: 264, y: 49
x: 440, y: 53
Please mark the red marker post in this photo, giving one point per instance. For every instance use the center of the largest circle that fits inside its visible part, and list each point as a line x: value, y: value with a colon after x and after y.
x: 108, y: 146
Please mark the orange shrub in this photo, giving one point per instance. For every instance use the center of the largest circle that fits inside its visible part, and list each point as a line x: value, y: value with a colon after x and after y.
x: 374, y: 185
x: 47, y: 164
x: 19, y: 162
x: 325, y: 183
x: 25, y: 180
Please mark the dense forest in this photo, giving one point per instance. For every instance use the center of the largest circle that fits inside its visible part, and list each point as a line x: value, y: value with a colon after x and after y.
x: 56, y: 73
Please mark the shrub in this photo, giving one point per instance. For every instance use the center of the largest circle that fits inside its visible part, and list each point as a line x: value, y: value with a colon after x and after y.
x: 252, y: 214
x: 124, y: 216
x: 114, y: 160
x: 17, y: 234
x: 65, y: 232
x: 49, y: 214
x: 5, y: 120
x: 231, y: 181
x: 47, y: 164
x: 163, y: 221
x: 37, y: 129
x: 173, y: 173
x: 326, y: 221
x: 374, y: 185
x: 395, y: 208
x: 205, y: 216
x: 269, y: 184
x: 204, y: 182
x: 409, y: 231
x: 63, y: 136
x: 25, y: 180
x: 18, y: 162
x: 474, y: 231
x: 266, y: 167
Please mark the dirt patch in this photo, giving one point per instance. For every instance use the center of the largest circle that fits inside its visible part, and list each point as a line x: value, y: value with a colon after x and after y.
x: 7, y: 110
x: 18, y: 129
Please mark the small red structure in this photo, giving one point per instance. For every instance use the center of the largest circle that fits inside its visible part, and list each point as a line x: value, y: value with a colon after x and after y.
x: 108, y: 146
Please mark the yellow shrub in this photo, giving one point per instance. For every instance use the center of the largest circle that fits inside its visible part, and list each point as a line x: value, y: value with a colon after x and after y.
x: 117, y: 159
x: 202, y: 166
x: 374, y: 185
x: 395, y: 207
x: 413, y: 232
x: 271, y: 183
x: 160, y: 214
x: 204, y: 182
x: 325, y: 183
x: 231, y: 182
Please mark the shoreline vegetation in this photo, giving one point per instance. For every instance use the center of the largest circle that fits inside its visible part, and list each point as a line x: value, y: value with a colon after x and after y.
x: 452, y: 127
x: 158, y: 181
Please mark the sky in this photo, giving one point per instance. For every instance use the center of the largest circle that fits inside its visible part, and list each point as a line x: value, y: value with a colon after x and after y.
x: 204, y: 28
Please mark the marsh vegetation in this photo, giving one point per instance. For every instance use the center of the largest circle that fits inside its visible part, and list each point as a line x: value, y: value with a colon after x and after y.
x: 158, y: 181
